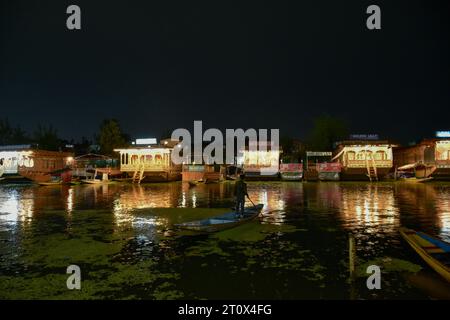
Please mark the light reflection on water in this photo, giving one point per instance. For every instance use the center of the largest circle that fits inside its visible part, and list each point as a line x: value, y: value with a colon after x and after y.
x: 321, y: 215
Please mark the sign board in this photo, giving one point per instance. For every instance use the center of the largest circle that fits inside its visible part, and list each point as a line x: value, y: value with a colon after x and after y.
x: 319, y: 154
x: 364, y: 137
x: 146, y: 141
x: 329, y: 167
x: 291, y: 167
x: 443, y: 134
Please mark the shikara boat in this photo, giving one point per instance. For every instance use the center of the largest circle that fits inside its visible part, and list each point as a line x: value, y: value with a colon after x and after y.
x: 435, y: 252
x: 224, y: 221
x: 193, y: 183
x: 97, y: 181
x: 416, y: 180
x: 51, y: 183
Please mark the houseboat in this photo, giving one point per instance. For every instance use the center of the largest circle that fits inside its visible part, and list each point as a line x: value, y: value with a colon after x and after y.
x: 291, y: 171
x: 151, y: 163
x: 260, y: 162
x: 429, y: 158
x: 208, y: 173
x: 319, y: 166
x: 88, y: 166
x: 45, y: 167
x: 9, y: 162
x: 329, y: 171
x: 364, y: 159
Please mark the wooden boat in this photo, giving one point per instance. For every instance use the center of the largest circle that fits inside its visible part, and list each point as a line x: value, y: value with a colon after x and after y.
x: 435, y: 252
x: 416, y: 180
x: 97, y: 181
x: 224, y: 221
x: 50, y: 183
x: 415, y: 172
x: 193, y: 183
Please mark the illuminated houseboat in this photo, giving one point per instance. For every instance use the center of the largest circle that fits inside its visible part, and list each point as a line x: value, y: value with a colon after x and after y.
x: 151, y: 163
x: 23, y: 163
x: 86, y: 166
x: 291, y: 171
x: 319, y: 166
x: 44, y: 166
x: 364, y: 159
x: 260, y: 162
x: 431, y: 157
x: 203, y: 172
x: 9, y: 162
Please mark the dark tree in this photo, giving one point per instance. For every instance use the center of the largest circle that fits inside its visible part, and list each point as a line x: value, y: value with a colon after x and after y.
x: 326, y: 131
x: 47, y: 138
x: 5, y: 132
x: 110, y: 136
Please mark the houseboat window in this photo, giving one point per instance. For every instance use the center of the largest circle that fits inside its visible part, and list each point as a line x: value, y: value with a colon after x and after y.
x: 361, y: 155
x: 351, y: 155
x: 126, y: 158
x: 142, y: 159
x: 148, y: 158
x: 158, y: 159
x: 134, y: 159
x: 122, y: 159
x: 380, y: 155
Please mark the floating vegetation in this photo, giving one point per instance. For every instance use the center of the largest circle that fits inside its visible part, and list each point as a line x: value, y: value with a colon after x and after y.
x: 388, y: 265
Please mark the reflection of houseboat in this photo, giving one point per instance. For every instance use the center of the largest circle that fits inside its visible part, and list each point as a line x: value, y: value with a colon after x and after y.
x: 291, y: 171
x: 45, y: 166
x: 259, y: 161
x: 428, y: 153
x: 152, y: 163
x: 364, y: 159
x: 203, y: 172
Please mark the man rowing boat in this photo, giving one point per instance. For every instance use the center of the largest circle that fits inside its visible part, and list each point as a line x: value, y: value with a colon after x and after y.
x: 240, y: 191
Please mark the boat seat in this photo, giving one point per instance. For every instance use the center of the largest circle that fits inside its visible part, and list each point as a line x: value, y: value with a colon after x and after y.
x: 444, y: 258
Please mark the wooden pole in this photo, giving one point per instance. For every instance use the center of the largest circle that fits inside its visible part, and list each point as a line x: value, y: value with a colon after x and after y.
x: 351, y: 256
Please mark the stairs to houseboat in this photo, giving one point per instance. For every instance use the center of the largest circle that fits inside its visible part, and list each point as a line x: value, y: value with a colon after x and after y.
x: 371, y: 169
x: 138, y: 175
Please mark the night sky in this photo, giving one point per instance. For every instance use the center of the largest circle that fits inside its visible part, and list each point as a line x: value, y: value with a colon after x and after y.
x: 160, y: 65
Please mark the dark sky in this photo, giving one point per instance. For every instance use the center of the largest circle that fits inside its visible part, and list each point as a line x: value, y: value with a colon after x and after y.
x: 159, y: 65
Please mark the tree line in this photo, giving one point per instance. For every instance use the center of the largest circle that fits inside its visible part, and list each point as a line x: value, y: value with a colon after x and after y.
x: 46, y: 137
x: 326, y: 130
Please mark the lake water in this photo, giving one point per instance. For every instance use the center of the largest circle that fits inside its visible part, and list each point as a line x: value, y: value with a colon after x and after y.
x: 122, y: 237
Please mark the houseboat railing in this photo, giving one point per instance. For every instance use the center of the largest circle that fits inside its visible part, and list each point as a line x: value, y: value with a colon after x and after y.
x: 363, y: 163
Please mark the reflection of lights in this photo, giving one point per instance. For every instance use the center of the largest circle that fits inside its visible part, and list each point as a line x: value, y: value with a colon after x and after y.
x: 14, y: 209
x: 183, y: 200
x: 70, y: 201
x: 194, y: 200
x: 373, y: 210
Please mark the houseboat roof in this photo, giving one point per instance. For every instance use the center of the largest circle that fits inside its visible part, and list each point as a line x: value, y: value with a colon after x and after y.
x: 153, y: 148
x: 16, y: 147
x: 364, y: 143
x: 92, y: 156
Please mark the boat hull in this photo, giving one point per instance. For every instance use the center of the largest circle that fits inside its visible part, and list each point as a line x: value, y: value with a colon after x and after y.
x: 222, y: 222
x: 433, y: 251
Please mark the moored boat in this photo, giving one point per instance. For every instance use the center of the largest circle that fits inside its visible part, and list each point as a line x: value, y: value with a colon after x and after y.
x: 224, y: 221
x: 193, y: 183
x: 435, y: 252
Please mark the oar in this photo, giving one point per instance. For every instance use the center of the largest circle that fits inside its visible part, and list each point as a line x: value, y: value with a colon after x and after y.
x: 251, y: 201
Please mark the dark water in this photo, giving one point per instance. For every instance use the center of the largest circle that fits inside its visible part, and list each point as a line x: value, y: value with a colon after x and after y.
x: 127, y: 249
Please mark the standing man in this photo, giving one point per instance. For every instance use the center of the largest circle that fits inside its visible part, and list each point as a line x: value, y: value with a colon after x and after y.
x: 240, y: 191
